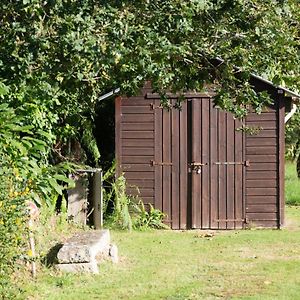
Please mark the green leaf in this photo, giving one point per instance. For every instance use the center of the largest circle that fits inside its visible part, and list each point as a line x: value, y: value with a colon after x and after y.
x: 64, y: 178
x: 3, y: 89
x: 55, y: 186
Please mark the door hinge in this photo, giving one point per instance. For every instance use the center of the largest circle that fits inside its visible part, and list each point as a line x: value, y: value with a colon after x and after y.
x: 244, y: 163
x: 231, y: 220
x: 153, y: 106
x: 155, y: 163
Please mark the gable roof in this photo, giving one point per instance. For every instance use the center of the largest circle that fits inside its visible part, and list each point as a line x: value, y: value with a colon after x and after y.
x: 219, y: 60
x: 288, y: 91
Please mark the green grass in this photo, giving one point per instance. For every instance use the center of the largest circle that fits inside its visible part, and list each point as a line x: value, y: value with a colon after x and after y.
x: 177, y: 265
x: 292, y: 185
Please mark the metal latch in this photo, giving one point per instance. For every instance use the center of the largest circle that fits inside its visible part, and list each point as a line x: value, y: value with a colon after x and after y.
x: 196, y: 166
x: 154, y: 163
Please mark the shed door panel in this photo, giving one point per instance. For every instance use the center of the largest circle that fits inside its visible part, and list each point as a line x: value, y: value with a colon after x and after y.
x: 197, y: 165
x: 170, y: 163
x: 216, y: 168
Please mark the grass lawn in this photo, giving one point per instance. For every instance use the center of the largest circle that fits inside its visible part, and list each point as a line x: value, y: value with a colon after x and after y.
x: 292, y: 185
x: 175, y: 265
x: 249, y: 264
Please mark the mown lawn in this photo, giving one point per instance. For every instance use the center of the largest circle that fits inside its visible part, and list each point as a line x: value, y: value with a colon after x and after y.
x: 177, y: 265
x: 250, y: 264
x: 292, y: 185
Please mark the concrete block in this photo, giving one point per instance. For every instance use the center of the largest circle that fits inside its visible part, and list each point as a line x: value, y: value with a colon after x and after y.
x: 113, y: 253
x: 84, y: 247
x: 91, y: 267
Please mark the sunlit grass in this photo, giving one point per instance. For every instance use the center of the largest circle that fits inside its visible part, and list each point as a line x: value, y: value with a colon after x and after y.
x: 292, y: 185
x: 186, y: 265
x: 249, y: 264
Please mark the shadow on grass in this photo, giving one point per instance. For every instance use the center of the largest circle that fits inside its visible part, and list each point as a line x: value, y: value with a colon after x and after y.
x: 51, y: 258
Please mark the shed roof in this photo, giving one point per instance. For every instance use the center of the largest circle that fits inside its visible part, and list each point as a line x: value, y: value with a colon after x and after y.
x: 288, y: 91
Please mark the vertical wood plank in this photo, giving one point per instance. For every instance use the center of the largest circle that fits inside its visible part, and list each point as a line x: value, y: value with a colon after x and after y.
x: 196, y: 157
x: 205, y: 147
x: 175, y: 167
x: 166, y: 170
x: 190, y: 202
x: 230, y: 171
x: 222, y: 170
x: 183, y: 174
x: 118, y: 137
x: 158, y: 125
x: 217, y: 167
x: 213, y: 167
x: 281, y: 158
x: 238, y: 175
x: 243, y: 138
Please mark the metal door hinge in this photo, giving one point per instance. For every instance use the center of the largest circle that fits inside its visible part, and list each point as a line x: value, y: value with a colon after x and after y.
x: 153, y: 106
x: 155, y: 163
x: 230, y: 220
x: 244, y: 163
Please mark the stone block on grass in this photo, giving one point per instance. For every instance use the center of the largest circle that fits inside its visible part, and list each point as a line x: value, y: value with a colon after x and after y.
x: 83, y: 251
x: 84, y: 247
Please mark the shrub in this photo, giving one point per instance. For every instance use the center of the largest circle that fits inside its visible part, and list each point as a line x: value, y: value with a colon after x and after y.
x: 13, y: 231
x: 116, y: 201
x: 146, y: 219
x: 127, y: 211
x: 25, y: 174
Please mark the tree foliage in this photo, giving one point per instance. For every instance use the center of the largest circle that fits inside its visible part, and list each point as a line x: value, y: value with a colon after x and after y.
x: 292, y: 136
x: 57, y: 57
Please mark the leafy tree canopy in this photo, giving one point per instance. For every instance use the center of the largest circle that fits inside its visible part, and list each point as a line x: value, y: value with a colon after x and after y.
x: 58, y: 57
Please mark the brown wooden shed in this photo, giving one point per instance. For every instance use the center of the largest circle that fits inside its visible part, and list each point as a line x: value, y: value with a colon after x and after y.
x: 195, y: 166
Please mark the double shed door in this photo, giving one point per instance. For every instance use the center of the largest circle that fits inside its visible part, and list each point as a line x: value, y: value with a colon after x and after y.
x: 199, y: 166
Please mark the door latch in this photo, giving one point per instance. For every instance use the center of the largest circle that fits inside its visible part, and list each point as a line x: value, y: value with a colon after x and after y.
x: 196, y: 166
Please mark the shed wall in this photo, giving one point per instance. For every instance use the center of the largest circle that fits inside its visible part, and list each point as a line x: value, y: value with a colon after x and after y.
x: 135, y: 144
x: 262, y: 191
x: 138, y: 130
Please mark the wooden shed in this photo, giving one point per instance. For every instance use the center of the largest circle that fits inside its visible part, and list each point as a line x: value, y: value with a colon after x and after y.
x: 197, y: 167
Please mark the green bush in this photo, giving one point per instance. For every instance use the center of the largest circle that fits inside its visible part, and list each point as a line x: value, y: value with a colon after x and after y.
x: 146, y: 219
x: 13, y: 231
x: 25, y: 174
x: 116, y: 201
x: 128, y: 212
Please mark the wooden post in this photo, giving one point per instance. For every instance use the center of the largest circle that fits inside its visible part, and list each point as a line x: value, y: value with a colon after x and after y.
x: 33, y: 216
x: 97, y: 199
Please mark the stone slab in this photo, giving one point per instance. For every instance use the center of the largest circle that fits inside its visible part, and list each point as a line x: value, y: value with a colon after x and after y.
x: 113, y: 253
x: 84, y: 247
x: 79, y: 267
